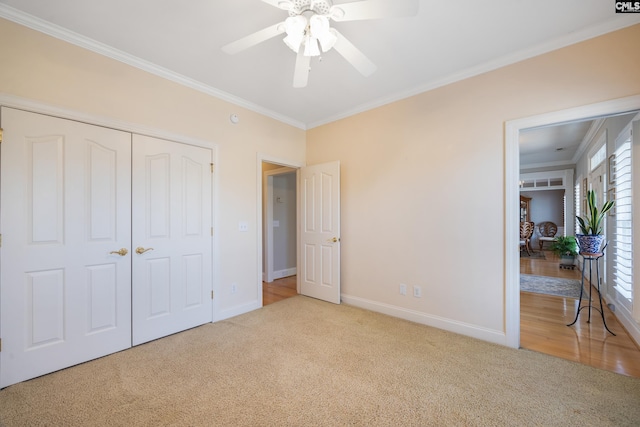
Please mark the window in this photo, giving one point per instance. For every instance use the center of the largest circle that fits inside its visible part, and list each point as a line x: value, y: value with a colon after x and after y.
x: 544, y: 182
x: 598, y: 158
x: 623, y: 249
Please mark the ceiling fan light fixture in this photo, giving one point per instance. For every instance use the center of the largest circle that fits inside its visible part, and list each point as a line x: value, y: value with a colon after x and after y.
x: 308, y: 30
x: 295, y: 24
x: 327, y: 41
x: 319, y: 25
x: 321, y: 30
x: 294, y: 42
x: 311, y: 47
x: 295, y: 28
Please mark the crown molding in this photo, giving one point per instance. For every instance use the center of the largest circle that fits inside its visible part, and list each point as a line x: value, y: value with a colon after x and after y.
x: 63, y: 34
x: 591, y: 134
x: 617, y: 23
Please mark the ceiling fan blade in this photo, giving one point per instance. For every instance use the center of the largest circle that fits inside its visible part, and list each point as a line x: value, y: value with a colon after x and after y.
x: 374, y: 9
x: 280, y: 4
x: 351, y: 53
x: 254, y: 39
x: 301, y: 72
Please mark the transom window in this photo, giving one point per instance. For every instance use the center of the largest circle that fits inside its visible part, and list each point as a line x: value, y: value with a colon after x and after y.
x: 597, y: 158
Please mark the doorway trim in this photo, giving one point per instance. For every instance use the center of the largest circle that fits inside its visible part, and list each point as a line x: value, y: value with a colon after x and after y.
x: 512, y: 192
x: 262, y: 157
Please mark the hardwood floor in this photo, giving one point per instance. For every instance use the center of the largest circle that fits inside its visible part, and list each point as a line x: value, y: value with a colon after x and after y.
x: 543, y: 320
x: 278, y: 290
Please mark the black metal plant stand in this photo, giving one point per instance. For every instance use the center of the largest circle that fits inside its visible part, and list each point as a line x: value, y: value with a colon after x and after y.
x: 591, y: 258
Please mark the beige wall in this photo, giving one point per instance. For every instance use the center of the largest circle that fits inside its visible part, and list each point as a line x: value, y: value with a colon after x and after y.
x: 423, y: 181
x: 50, y: 71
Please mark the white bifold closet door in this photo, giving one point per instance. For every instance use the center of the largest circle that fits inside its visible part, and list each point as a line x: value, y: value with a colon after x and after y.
x: 66, y: 205
x: 172, y: 243
x: 71, y: 221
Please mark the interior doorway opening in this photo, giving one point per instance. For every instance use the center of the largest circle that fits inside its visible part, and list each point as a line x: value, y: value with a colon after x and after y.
x: 513, y: 129
x: 512, y: 194
x: 278, y: 224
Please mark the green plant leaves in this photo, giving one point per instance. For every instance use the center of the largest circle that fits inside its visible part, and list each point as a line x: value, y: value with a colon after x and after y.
x: 564, y: 245
x: 591, y: 223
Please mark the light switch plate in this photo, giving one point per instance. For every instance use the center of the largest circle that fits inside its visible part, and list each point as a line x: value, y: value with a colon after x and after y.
x: 243, y: 226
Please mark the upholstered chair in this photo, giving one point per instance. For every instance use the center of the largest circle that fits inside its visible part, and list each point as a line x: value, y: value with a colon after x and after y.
x: 547, y: 230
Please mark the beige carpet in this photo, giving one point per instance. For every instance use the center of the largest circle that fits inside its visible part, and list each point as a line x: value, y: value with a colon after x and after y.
x: 303, y: 362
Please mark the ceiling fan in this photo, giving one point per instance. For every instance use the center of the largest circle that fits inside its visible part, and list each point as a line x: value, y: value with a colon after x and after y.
x: 308, y: 30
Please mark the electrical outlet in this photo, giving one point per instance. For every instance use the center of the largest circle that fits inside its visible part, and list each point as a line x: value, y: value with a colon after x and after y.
x: 403, y: 289
x: 243, y: 226
x: 417, y: 291
x: 234, y: 288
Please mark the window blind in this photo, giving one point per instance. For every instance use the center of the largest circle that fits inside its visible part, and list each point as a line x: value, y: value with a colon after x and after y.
x: 623, y: 249
x: 576, y: 200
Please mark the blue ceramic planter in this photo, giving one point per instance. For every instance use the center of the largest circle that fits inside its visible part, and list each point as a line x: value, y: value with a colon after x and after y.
x: 590, y: 243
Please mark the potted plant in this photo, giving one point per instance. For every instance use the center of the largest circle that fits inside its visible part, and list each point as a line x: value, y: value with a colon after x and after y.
x: 566, y: 247
x: 591, y: 239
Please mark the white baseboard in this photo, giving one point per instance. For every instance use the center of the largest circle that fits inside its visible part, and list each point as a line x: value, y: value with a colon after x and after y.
x: 279, y: 274
x: 490, y: 335
x: 236, y: 311
x: 630, y: 325
x: 624, y: 317
x: 285, y: 273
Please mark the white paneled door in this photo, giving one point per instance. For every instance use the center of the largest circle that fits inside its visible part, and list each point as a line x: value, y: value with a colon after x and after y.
x: 65, y: 268
x: 172, y: 242
x: 320, y: 231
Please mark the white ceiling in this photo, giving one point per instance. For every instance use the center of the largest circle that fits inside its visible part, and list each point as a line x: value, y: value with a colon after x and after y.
x: 445, y: 42
x: 553, y: 145
x: 560, y: 144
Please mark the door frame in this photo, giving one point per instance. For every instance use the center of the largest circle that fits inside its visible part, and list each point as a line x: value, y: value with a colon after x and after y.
x: 260, y: 214
x: 512, y: 194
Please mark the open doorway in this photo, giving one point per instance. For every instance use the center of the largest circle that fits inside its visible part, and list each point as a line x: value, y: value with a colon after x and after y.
x: 516, y: 311
x: 279, y: 232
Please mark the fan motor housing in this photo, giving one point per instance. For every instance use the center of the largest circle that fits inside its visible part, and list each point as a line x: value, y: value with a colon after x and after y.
x: 319, y: 7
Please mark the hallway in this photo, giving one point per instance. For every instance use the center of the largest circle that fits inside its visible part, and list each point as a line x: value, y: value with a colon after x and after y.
x: 278, y: 290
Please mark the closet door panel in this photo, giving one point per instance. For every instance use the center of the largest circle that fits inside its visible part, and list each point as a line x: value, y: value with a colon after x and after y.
x: 172, y: 268
x: 66, y: 207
